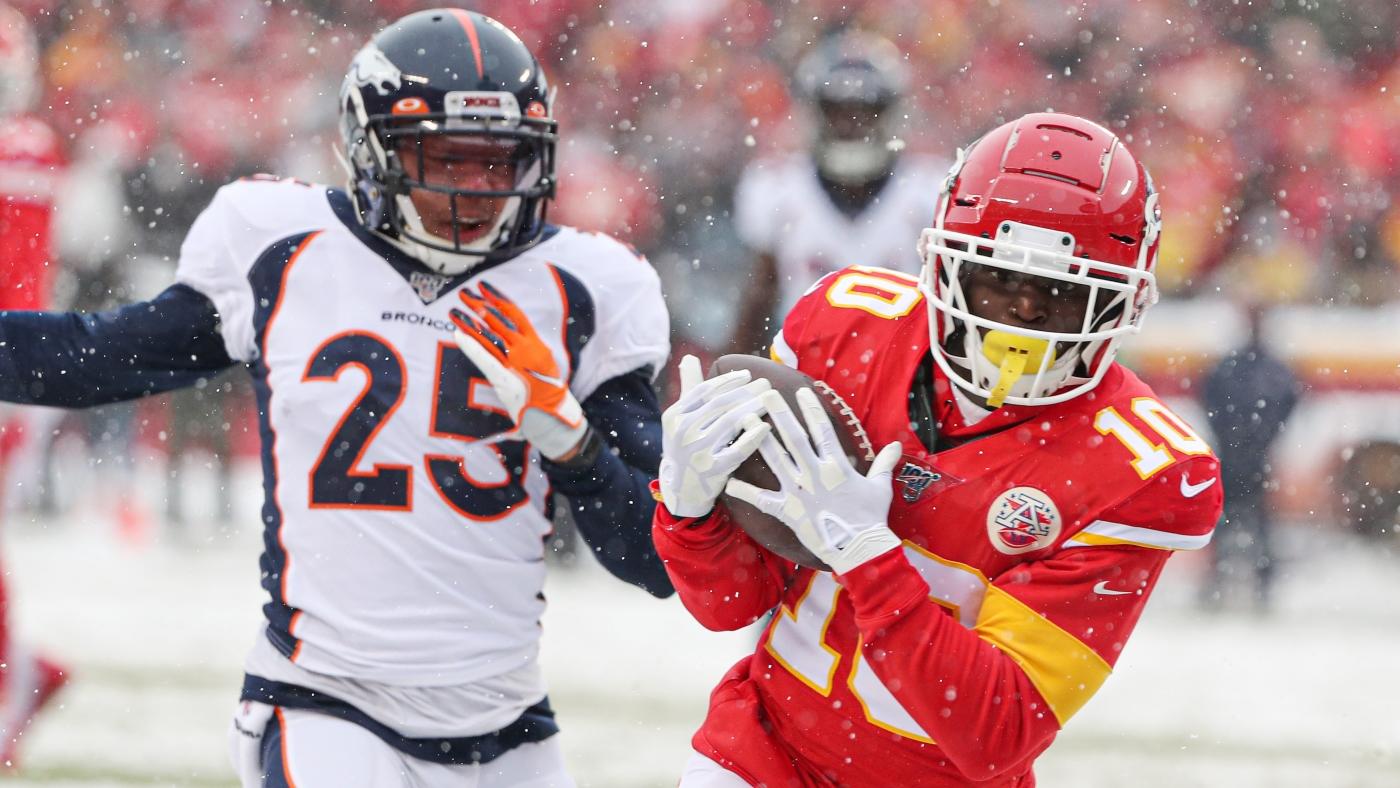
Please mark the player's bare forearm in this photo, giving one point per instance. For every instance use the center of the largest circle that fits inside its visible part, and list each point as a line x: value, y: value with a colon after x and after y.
x: 724, y: 578
x: 755, y: 324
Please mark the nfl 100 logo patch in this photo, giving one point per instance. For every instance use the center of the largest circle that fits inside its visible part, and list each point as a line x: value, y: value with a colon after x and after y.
x: 428, y: 285
x: 916, y: 480
x: 1022, y: 519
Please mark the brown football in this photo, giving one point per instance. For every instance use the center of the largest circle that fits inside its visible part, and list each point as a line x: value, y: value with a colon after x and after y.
x: 769, y: 531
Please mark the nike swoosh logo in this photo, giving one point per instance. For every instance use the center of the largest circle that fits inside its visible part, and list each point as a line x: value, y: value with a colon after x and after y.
x: 1189, y: 490
x: 557, y: 382
x: 1101, y: 587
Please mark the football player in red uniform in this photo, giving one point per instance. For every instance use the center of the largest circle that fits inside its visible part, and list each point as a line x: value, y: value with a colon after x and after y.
x: 31, y: 163
x: 985, y: 576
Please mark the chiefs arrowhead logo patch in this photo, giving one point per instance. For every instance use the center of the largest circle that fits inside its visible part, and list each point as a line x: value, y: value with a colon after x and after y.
x: 1021, y: 520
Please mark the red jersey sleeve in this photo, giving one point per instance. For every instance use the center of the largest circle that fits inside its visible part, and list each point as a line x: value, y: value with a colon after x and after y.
x: 791, y: 337
x: 723, y: 577
x: 30, y: 168
x: 1047, y: 634
x: 24, y: 254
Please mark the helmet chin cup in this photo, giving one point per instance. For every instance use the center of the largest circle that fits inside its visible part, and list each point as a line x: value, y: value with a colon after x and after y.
x: 853, y: 162
x: 445, y: 255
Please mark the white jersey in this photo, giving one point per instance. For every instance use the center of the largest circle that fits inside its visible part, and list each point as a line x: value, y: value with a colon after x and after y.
x: 404, y: 531
x: 781, y: 209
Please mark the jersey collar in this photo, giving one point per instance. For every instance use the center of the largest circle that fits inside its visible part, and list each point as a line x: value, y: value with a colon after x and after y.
x: 428, y: 284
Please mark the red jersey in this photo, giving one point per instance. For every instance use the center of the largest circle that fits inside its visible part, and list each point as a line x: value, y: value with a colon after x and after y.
x: 31, y: 165
x: 1030, y: 545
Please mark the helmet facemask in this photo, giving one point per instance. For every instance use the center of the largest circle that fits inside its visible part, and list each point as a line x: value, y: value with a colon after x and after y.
x: 408, y: 171
x: 855, y: 141
x: 978, y: 354
x: 386, y: 180
x: 1056, y: 204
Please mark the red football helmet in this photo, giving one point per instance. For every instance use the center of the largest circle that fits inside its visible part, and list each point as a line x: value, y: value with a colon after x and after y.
x: 1048, y: 195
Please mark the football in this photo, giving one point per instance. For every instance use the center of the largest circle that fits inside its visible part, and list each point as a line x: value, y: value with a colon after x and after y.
x: 769, y: 531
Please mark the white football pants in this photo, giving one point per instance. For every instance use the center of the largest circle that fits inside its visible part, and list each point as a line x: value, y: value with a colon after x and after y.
x: 320, y: 751
x: 702, y: 772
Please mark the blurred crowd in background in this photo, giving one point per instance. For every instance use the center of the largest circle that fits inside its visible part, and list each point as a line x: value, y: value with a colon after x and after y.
x: 1272, y: 129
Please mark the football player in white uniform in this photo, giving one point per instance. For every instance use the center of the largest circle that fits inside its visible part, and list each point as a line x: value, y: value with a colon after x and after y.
x: 407, y: 482
x: 855, y: 197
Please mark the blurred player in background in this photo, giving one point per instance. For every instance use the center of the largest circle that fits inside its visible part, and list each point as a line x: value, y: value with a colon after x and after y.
x: 855, y: 196
x: 1248, y: 398
x: 431, y: 359
x: 31, y: 164
x: 1041, y: 491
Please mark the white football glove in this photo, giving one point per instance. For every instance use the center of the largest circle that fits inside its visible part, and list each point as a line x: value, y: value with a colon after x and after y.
x: 706, y: 435
x: 838, y: 514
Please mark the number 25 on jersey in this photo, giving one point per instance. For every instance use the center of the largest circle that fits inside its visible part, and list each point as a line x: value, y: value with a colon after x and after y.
x: 336, y: 479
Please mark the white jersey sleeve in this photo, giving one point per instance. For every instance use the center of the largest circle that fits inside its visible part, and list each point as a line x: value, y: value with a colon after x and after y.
x: 244, y: 219
x: 758, y: 201
x: 631, y: 325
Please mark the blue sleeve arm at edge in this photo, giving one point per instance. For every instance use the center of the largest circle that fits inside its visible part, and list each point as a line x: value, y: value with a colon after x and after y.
x: 73, y: 360
x: 610, y: 500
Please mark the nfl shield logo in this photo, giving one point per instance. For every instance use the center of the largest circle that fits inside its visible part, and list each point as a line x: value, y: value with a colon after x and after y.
x: 1022, y: 519
x: 427, y: 285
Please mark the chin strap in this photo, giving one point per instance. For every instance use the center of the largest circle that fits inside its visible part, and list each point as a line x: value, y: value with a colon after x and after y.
x: 1013, y: 353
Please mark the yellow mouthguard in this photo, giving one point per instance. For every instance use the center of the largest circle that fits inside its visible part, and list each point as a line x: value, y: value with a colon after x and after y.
x: 1014, y: 354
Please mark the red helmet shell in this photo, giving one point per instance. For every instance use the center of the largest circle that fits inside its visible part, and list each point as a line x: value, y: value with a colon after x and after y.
x: 1054, y: 170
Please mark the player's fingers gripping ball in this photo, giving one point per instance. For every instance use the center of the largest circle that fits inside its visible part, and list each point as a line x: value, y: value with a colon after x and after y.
x: 500, y: 340
x: 711, y: 429
x: 836, y: 511
x: 842, y: 434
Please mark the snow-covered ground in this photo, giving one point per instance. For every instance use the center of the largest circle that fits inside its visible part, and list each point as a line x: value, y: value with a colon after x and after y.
x: 156, y: 633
